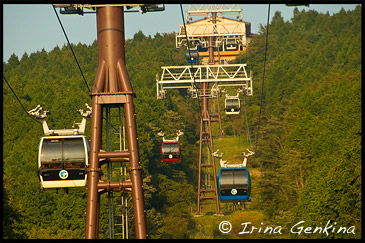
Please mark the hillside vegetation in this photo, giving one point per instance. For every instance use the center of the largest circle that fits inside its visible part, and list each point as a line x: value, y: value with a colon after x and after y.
x: 307, y: 165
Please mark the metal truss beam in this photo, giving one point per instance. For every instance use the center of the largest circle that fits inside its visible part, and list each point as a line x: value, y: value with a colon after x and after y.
x: 204, y: 9
x: 186, y: 77
x: 80, y: 8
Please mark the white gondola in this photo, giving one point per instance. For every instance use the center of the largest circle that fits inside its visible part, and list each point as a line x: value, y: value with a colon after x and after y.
x: 232, y: 105
x: 63, y: 160
x: 63, y: 156
x: 231, y: 44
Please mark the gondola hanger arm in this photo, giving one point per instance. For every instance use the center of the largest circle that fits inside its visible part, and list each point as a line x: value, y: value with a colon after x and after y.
x: 84, y: 114
x: 36, y: 112
x: 161, y: 133
x: 179, y: 133
x: 215, y: 154
x: 250, y: 153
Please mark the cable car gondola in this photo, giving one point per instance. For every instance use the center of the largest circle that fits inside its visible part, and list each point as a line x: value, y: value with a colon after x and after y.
x: 232, y: 105
x: 231, y: 44
x: 170, y: 151
x: 192, y: 55
x: 62, y: 161
x: 234, y: 184
x: 63, y: 153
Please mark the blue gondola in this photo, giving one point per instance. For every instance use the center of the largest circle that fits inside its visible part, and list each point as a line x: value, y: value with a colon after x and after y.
x: 234, y: 184
x: 192, y: 56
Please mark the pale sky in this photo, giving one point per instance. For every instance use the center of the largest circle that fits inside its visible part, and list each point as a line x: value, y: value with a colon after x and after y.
x: 32, y: 27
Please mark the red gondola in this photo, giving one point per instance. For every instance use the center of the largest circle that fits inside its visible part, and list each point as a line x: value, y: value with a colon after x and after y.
x: 170, y: 151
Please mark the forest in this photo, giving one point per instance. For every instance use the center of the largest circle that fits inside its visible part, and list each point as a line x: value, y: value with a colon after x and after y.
x: 307, y: 162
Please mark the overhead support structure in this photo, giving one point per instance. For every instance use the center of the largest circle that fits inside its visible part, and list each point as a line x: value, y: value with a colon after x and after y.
x: 185, y: 77
x: 82, y: 9
x: 210, y: 8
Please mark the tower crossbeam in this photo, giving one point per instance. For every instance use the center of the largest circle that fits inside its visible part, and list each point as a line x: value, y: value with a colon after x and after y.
x: 185, y: 77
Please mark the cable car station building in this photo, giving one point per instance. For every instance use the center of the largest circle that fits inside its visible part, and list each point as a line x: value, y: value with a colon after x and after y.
x: 232, y: 36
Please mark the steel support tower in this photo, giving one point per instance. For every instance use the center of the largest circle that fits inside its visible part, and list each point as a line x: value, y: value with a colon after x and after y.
x: 206, y: 136
x: 112, y: 88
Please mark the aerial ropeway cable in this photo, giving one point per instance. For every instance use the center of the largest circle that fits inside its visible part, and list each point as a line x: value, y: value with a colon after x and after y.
x: 263, y: 77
